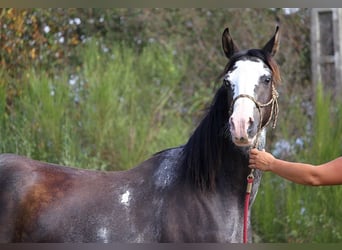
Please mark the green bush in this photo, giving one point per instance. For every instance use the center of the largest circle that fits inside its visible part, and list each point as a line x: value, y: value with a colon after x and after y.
x: 115, y: 112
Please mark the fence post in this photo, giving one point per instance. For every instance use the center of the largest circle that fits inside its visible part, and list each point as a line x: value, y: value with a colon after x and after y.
x: 326, y: 44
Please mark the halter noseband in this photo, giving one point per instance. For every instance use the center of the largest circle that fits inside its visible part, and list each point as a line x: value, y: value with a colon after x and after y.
x: 274, y: 108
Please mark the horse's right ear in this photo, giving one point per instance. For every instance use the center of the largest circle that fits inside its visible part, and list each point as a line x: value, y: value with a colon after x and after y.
x: 228, y: 44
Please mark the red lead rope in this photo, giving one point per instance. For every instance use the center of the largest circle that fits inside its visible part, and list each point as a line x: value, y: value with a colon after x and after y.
x: 250, y: 179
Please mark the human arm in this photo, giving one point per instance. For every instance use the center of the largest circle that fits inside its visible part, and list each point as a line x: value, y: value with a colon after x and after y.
x: 329, y: 173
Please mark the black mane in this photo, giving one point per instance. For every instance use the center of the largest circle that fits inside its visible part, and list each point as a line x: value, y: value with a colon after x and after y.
x: 205, y: 153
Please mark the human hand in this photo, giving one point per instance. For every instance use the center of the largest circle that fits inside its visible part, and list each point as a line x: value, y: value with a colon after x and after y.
x: 260, y: 159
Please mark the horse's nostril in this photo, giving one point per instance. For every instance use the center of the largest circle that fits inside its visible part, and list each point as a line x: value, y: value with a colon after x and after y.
x: 231, y: 123
x: 250, y: 121
x: 241, y: 139
x: 250, y: 126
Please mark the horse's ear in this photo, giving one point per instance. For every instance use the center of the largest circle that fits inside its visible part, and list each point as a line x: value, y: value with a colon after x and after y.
x: 228, y: 44
x: 273, y: 44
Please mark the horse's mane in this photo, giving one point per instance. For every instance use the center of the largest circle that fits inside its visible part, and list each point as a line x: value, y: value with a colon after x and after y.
x: 210, y: 144
x: 202, y: 154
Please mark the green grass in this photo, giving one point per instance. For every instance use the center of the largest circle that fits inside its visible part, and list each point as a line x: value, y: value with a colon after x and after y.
x: 121, y: 108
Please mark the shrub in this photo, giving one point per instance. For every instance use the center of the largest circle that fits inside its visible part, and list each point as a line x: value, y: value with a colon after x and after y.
x: 102, y: 116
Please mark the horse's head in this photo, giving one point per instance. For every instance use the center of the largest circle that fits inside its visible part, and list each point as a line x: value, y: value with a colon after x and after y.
x: 250, y: 76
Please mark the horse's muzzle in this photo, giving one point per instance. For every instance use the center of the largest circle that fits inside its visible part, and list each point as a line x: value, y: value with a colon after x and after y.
x: 243, y: 131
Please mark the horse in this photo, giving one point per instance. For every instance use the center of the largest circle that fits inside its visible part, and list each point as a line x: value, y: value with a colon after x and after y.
x: 190, y: 193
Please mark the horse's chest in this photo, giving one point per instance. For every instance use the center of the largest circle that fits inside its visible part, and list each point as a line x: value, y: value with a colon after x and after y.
x: 197, y: 219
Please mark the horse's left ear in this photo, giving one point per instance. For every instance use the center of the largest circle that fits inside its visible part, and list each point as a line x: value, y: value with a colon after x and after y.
x: 228, y: 45
x: 273, y: 44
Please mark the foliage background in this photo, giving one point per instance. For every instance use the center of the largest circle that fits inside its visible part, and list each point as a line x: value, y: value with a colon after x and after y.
x: 106, y: 88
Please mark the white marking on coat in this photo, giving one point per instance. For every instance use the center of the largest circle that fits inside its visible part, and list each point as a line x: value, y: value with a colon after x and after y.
x: 125, y: 198
x: 103, y: 234
x: 166, y: 172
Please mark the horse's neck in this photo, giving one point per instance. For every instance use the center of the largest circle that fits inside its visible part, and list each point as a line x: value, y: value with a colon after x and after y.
x: 261, y: 143
x: 235, y: 170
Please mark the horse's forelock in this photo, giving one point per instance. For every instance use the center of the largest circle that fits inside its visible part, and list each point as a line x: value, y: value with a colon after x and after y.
x: 251, y: 55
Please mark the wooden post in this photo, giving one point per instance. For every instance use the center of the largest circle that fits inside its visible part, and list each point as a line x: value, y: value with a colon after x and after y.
x: 326, y: 44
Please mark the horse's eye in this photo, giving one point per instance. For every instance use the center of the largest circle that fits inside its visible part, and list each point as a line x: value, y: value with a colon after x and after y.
x: 268, y: 80
x: 227, y: 82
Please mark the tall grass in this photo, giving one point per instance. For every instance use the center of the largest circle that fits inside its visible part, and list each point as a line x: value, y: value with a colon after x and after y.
x: 116, y: 111
x: 288, y: 212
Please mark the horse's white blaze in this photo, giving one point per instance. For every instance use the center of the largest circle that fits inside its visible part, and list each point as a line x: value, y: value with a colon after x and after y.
x: 244, y: 78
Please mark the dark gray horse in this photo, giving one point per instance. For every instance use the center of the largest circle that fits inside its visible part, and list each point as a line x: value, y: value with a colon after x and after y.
x: 192, y: 193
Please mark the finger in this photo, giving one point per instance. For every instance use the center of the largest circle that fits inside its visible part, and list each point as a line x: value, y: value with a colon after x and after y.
x: 251, y: 160
x: 254, y: 151
x: 252, y: 156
